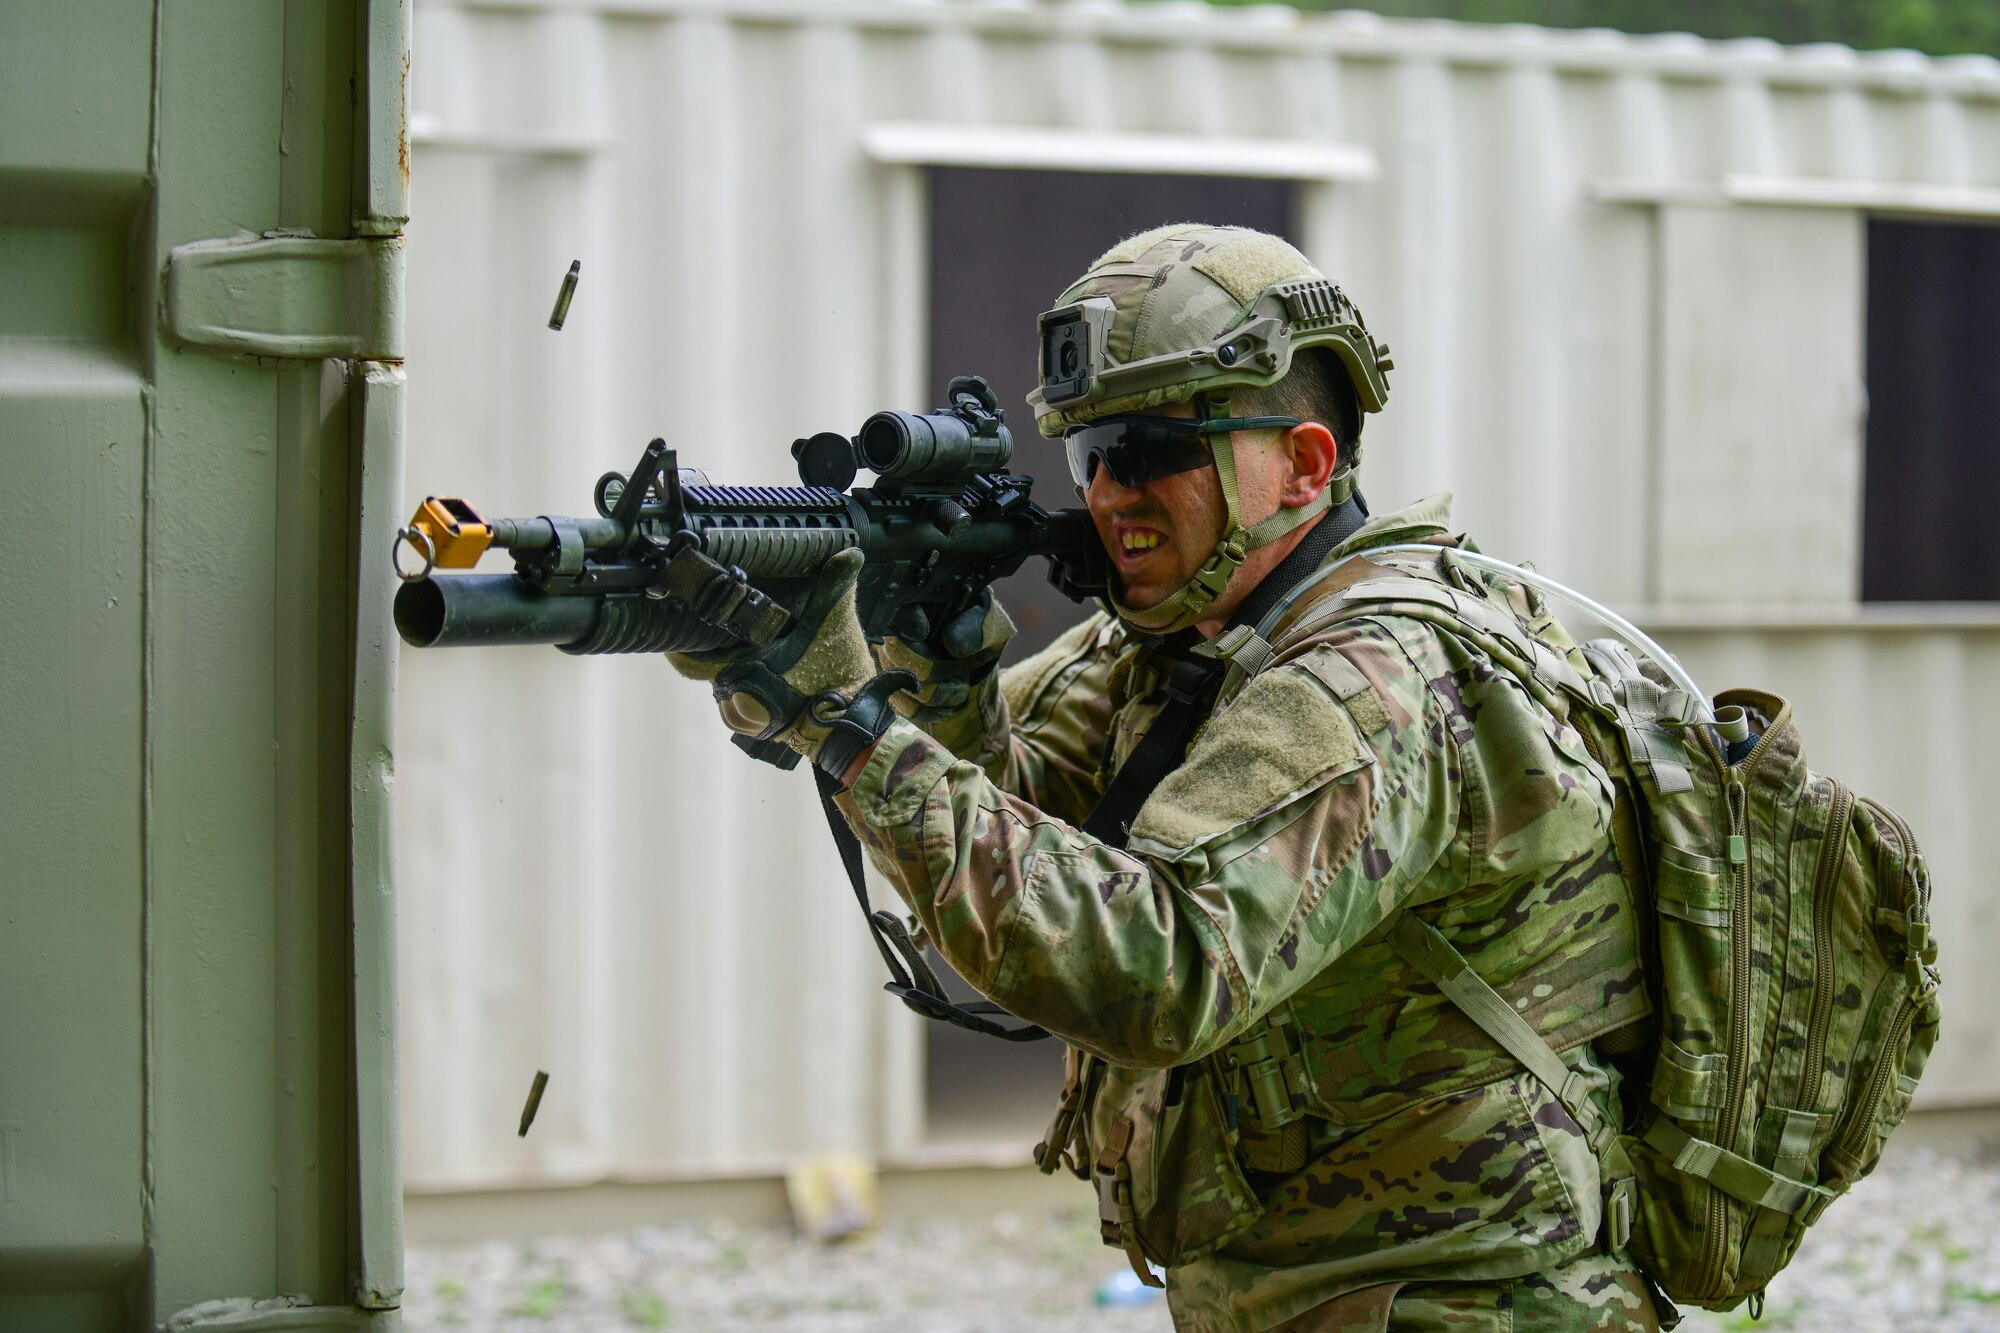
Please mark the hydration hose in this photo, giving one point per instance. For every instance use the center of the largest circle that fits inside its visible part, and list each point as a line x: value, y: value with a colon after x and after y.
x: 1732, y: 729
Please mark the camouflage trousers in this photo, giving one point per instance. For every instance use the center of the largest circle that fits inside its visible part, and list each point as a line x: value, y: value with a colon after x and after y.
x: 1595, y: 1291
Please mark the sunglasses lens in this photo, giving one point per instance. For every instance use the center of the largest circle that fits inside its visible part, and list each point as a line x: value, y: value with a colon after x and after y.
x: 1135, y: 450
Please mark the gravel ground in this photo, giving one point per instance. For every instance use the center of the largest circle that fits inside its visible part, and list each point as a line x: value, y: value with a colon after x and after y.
x: 1916, y: 1247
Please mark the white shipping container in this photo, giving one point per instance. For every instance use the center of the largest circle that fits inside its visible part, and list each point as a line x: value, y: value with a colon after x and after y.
x: 1624, y: 280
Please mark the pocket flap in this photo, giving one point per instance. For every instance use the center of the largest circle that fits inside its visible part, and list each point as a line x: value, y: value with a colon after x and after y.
x: 1686, y: 1086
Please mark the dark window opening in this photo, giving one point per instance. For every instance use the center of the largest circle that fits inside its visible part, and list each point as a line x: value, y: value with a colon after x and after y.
x: 1003, y: 246
x: 1933, y: 445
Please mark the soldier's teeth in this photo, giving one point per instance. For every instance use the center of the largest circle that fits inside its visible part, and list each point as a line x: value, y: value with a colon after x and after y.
x: 1141, y: 541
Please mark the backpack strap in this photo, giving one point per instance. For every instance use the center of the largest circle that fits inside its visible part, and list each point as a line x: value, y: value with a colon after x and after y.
x: 1653, y: 718
x: 1425, y: 948
x: 1412, y: 592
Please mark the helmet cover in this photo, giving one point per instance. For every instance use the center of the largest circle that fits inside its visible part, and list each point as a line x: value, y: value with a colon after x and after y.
x: 1191, y: 309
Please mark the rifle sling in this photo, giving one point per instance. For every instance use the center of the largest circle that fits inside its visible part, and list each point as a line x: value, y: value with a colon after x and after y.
x: 917, y: 986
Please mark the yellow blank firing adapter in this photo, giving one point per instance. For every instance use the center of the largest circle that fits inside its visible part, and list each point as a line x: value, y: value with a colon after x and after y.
x: 449, y: 533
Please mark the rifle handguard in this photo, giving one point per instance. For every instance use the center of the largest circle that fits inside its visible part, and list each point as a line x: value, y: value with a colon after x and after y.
x: 858, y: 724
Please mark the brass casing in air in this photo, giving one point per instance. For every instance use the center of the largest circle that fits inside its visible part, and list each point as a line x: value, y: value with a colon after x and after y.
x: 457, y: 534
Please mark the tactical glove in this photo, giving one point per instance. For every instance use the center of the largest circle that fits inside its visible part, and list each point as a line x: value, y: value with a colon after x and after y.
x: 955, y: 660
x: 814, y: 690
x: 957, y: 699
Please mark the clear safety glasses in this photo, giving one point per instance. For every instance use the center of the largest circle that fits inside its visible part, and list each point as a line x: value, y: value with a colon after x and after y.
x: 1136, y: 450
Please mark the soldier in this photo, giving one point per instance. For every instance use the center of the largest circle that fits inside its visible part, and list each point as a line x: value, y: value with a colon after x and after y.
x: 1277, y: 1106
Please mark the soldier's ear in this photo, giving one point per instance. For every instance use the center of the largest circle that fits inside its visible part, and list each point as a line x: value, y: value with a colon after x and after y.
x: 1311, y: 453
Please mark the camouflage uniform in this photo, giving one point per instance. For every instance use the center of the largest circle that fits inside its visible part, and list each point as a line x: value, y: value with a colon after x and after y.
x: 1376, y: 764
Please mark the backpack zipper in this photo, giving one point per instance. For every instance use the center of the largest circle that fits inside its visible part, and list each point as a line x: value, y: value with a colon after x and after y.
x: 1832, y: 852
x: 1916, y: 892
x: 1736, y: 797
x: 1863, y: 1113
x: 1916, y: 900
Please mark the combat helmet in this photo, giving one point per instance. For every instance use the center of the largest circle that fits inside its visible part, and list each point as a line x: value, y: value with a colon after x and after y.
x: 1191, y: 312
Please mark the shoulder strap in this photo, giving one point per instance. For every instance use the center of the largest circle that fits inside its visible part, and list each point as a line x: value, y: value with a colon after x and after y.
x: 1425, y: 948
x: 1197, y: 677
x: 1403, y: 590
x: 1653, y: 718
x: 1190, y: 693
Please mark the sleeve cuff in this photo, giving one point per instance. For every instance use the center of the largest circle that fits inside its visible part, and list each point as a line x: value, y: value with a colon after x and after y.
x: 905, y: 766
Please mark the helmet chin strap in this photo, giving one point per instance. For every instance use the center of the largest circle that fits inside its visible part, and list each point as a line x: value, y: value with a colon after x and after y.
x: 1187, y: 603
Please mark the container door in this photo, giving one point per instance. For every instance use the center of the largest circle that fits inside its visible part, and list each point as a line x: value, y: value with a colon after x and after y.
x: 200, y: 410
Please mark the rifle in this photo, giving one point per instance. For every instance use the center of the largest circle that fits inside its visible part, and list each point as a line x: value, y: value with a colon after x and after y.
x: 673, y: 564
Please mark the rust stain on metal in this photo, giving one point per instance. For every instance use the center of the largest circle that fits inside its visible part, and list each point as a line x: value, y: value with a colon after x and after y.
x: 403, y: 129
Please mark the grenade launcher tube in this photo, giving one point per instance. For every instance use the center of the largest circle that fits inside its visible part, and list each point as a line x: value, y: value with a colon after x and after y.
x: 482, y: 609
x: 488, y: 610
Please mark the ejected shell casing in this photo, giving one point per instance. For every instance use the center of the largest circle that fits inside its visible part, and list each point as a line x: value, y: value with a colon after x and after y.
x: 534, y: 1102
x: 561, y: 311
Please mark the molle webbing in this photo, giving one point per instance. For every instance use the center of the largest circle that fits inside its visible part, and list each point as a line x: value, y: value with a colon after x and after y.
x: 1652, y: 717
x: 1549, y: 676
x: 1738, y: 1177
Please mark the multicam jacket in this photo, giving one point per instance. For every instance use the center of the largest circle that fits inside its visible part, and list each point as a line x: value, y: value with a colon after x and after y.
x: 1377, y: 764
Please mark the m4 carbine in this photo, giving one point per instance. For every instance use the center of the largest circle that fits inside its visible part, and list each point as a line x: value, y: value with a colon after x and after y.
x: 670, y: 566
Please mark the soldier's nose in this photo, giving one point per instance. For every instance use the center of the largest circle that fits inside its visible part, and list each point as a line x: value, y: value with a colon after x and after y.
x: 1104, y: 493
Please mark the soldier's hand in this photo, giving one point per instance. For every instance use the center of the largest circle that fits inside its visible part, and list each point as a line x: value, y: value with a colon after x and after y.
x: 957, y: 657
x: 765, y: 693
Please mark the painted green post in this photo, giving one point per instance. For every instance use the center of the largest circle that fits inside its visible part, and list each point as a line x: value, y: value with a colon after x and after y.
x: 201, y: 204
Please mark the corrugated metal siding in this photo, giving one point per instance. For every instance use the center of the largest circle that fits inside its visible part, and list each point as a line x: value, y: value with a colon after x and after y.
x: 595, y: 884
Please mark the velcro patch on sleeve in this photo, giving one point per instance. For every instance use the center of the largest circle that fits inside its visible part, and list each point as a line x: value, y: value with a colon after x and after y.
x: 1284, y: 736
x: 1354, y: 690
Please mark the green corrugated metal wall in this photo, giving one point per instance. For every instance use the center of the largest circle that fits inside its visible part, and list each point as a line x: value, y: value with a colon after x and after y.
x: 198, y: 461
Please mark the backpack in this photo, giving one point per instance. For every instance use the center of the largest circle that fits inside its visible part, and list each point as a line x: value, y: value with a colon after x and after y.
x: 1785, y: 923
